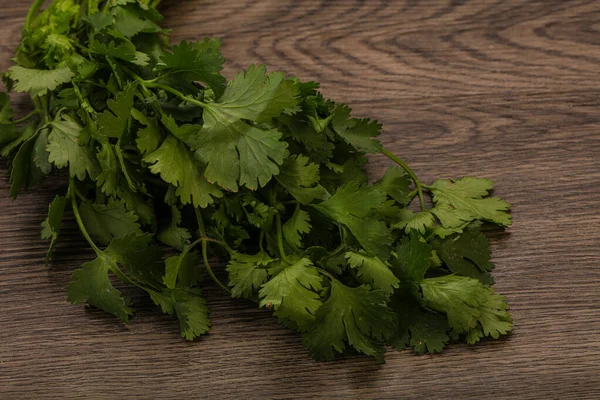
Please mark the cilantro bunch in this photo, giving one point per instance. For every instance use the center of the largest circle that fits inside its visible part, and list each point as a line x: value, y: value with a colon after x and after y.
x: 169, y: 164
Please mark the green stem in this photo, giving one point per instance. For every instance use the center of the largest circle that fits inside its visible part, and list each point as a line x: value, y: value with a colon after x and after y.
x: 113, y: 66
x: 84, y: 103
x: 280, y: 240
x: 173, y: 91
x: 27, y: 117
x: 33, y: 11
x: 260, y: 241
x: 321, y: 270
x: 205, y: 241
x: 410, y: 173
x: 84, y: 232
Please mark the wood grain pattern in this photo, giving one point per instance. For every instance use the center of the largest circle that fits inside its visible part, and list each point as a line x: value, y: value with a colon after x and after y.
x: 503, y: 89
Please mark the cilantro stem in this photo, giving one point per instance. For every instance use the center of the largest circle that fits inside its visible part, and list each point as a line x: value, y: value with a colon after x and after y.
x: 260, y: 240
x: 280, y: 241
x: 204, y: 240
x: 410, y: 173
x: 321, y: 270
x: 84, y: 103
x: 35, y: 8
x: 84, y: 232
x: 113, y: 66
x: 175, y: 92
x: 27, y: 117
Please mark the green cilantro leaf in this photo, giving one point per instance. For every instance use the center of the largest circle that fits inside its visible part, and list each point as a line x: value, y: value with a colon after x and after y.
x: 113, y: 121
x: 373, y: 271
x: 247, y: 273
x: 467, y: 254
x: 357, y: 316
x: 173, y: 234
x: 300, y: 178
x: 176, y: 165
x: 38, y: 82
x: 65, y: 149
x: 108, y: 221
x: 465, y: 200
x: 91, y: 284
x: 467, y: 304
x: 184, y: 261
x: 420, y: 221
x: 235, y: 150
x: 125, y: 51
x: 51, y: 225
x: 396, y: 184
x: 360, y: 133
x: 129, y: 21
x: 293, y: 293
x: 296, y: 226
x: 189, y: 306
x: 196, y: 61
x: 413, y: 257
x: 150, y: 137
x: 351, y: 205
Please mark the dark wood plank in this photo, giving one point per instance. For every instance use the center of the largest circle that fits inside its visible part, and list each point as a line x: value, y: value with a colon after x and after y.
x: 503, y: 89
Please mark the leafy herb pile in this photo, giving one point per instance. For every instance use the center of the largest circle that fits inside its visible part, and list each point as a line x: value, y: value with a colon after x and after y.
x: 161, y: 152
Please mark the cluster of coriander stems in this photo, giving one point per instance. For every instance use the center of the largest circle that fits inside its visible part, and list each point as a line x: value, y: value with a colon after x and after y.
x: 41, y: 107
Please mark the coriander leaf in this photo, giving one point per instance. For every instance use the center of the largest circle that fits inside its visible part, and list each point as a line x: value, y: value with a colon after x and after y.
x: 464, y: 200
x: 37, y: 81
x: 293, y: 294
x: 140, y: 260
x: 467, y: 254
x: 247, y: 273
x: 373, y: 271
x: 351, y: 205
x: 196, y: 61
x: 107, y: 221
x: 296, y: 226
x: 129, y: 21
x: 428, y: 332
x: 51, y: 225
x: 188, y: 133
x: 317, y: 144
x: 184, y: 261
x: 413, y: 257
x: 459, y: 297
x: 91, y: 284
x: 300, y: 178
x: 396, y: 184
x: 359, y: 133
x: 494, y: 320
x: 150, y: 137
x: 467, y: 304
x: 6, y: 111
x: 65, y: 149
x: 420, y: 221
x: 125, y: 51
x: 135, y: 202
x: 8, y: 133
x: 24, y: 171
x: 235, y: 150
x: 114, y: 120
x: 108, y: 179
x: 176, y: 165
x: 174, y: 235
x: 190, y: 307
x: 357, y: 316
x: 99, y: 20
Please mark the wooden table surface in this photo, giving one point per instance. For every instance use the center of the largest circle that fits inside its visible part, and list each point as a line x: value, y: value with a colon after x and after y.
x: 508, y: 90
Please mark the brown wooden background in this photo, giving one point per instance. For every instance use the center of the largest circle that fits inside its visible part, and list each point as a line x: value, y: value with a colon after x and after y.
x: 508, y: 90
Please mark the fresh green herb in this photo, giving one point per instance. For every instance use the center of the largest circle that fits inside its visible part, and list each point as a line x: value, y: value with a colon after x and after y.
x: 161, y: 152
